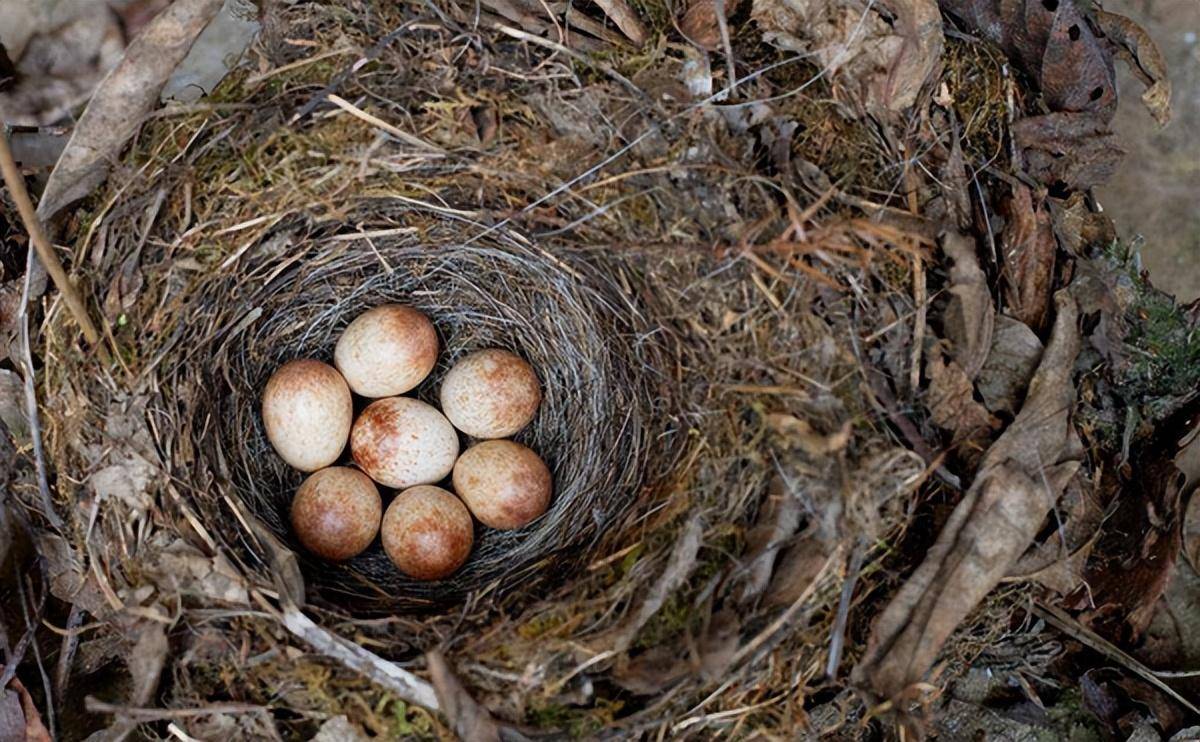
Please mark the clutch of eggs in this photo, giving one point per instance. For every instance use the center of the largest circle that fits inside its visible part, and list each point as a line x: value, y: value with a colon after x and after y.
x: 405, y: 444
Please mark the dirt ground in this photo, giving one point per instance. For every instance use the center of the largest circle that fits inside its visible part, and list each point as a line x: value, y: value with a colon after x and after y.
x: 1156, y: 191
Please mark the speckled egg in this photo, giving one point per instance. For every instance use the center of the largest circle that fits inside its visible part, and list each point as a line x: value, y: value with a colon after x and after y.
x: 401, y: 442
x: 491, y: 394
x: 386, y: 351
x: 307, y: 411
x: 505, y: 484
x: 336, y: 513
x: 427, y: 533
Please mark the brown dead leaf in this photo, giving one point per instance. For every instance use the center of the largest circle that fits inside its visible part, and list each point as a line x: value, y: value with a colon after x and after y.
x: 798, y: 433
x: 796, y: 569
x: 1010, y: 365
x: 121, y: 100
x: 699, y: 22
x: 1057, y: 561
x: 1076, y: 67
x: 1018, y: 482
x: 1072, y: 151
x: 651, y: 672
x: 970, y: 314
x: 952, y: 402
x: 471, y: 722
x: 20, y: 719
x: 1028, y: 258
x: 778, y: 518
x: 1144, y: 58
x: 886, y: 61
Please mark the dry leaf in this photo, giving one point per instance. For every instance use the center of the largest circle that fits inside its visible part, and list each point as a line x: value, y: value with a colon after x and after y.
x: 1018, y: 482
x: 795, y: 570
x: 797, y: 433
x: 1072, y: 151
x: 699, y: 23
x: 1010, y: 365
x: 678, y: 568
x: 1028, y: 258
x: 777, y: 521
x: 952, y: 402
x: 339, y: 729
x: 1144, y: 59
x: 471, y: 722
x: 886, y: 61
x: 125, y: 95
x: 651, y: 672
x: 970, y: 314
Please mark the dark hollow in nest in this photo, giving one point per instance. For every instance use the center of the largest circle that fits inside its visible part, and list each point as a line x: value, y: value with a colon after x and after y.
x: 602, y: 425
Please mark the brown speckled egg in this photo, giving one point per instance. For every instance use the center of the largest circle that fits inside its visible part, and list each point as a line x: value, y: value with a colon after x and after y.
x: 427, y: 532
x: 505, y: 484
x: 386, y: 351
x: 401, y: 442
x: 307, y: 411
x: 336, y: 513
x: 491, y: 394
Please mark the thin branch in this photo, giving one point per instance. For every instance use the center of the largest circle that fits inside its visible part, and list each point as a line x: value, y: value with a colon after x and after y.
x: 16, y: 187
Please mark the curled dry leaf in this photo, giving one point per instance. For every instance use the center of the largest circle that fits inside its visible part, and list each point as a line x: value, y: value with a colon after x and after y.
x: 970, y: 315
x: 1010, y: 365
x: 884, y: 61
x: 121, y: 100
x: 1028, y: 258
x: 1144, y: 59
x: 1019, y: 480
x: 471, y: 722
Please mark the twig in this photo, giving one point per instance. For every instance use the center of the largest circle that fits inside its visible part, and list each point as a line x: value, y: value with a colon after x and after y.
x: 1063, y: 621
x: 342, y: 76
x: 137, y: 713
x: 837, y: 638
x: 379, y: 123
x: 45, y: 253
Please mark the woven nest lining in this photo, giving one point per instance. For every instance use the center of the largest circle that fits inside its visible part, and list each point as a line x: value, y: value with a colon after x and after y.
x: 598, y: 366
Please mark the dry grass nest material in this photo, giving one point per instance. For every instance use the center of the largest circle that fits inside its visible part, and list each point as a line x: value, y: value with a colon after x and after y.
x: 720, y: 472
x: 604, y: 426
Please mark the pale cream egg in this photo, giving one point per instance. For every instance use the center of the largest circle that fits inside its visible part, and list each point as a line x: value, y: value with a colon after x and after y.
x: 386, y: 351
x: 307, y: 411
x: 402, y: 442
x: 491, y: 394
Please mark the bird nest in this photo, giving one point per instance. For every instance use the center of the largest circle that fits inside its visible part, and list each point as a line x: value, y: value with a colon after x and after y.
x: 604, y: 427
x: 722, y: 471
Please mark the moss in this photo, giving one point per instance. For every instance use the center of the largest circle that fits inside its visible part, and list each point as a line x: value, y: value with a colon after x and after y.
x: 1162, y: 345
x: 575, y: 721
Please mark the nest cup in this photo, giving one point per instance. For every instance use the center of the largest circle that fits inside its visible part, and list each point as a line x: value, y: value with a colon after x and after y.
x: 601, y: 426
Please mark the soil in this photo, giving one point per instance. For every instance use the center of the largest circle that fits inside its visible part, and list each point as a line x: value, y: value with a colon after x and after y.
x: 1154, y: 194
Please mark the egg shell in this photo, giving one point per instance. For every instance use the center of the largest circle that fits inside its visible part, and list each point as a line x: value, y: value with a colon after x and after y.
x: 307, y: 411
x: 427, y: 532
x: 402, y: 442
x: 386, y: 351
x: 336, y: 513
x: 491, y: 394
x: 505, y: 484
